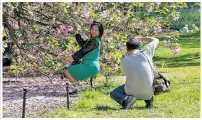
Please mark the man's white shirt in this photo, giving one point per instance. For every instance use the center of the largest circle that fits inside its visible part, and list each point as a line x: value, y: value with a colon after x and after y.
x: 138, y: 72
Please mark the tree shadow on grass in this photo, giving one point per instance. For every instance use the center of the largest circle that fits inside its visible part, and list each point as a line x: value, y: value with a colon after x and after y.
x: 190, y: 43
x: 143, y: 108
x: 181, y: 61
x: 196, y: 34
x: 104, y: 108
x: 140, y: 107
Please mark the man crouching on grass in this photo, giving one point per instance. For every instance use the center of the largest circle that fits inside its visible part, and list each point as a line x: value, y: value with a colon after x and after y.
x: 139, y: 75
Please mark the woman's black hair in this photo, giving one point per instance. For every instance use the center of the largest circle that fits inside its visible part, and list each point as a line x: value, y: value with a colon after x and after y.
x: 100, y: 27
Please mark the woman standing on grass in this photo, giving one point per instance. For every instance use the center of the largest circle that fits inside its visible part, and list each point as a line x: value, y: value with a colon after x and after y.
x: 89, y: 53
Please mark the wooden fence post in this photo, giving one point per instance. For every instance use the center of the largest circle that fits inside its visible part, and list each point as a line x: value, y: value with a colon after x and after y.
x: 67, y: 89
x: 24, y: 102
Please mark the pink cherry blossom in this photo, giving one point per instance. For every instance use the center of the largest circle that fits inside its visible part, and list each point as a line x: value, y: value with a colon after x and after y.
x: 45, y: 46
x: 36, y: 53
x: 58, y: 49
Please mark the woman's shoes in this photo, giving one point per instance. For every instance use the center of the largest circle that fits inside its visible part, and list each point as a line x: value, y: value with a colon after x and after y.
x: 74, y: 89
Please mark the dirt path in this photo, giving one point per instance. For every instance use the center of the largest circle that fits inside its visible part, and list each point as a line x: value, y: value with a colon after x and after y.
x: 42, y: 95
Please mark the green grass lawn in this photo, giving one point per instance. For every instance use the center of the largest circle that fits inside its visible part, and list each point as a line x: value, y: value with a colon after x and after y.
x: 182, y: 102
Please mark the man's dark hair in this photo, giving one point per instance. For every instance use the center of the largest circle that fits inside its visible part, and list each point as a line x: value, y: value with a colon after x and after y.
x: 132, y: 43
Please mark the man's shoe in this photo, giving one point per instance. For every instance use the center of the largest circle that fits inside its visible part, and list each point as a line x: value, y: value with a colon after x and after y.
x: 129, y: 102
x: 149, y: 103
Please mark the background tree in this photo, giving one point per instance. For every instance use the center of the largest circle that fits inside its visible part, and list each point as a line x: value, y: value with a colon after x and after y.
x: 37, y: 32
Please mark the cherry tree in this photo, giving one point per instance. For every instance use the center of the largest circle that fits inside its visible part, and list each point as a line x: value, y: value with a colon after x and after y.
x: 38, y: 32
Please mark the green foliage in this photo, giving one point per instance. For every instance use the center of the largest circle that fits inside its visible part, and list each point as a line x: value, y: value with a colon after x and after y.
x: 193, y: 4
x: 188, y: 18
x: 41, y: 29
x: 16, y: 69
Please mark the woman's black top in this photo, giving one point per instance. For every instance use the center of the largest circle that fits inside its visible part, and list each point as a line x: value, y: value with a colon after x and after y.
x: 86, y: 47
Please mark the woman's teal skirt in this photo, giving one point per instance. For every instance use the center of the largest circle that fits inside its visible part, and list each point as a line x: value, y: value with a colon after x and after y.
x: 85, y: 70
